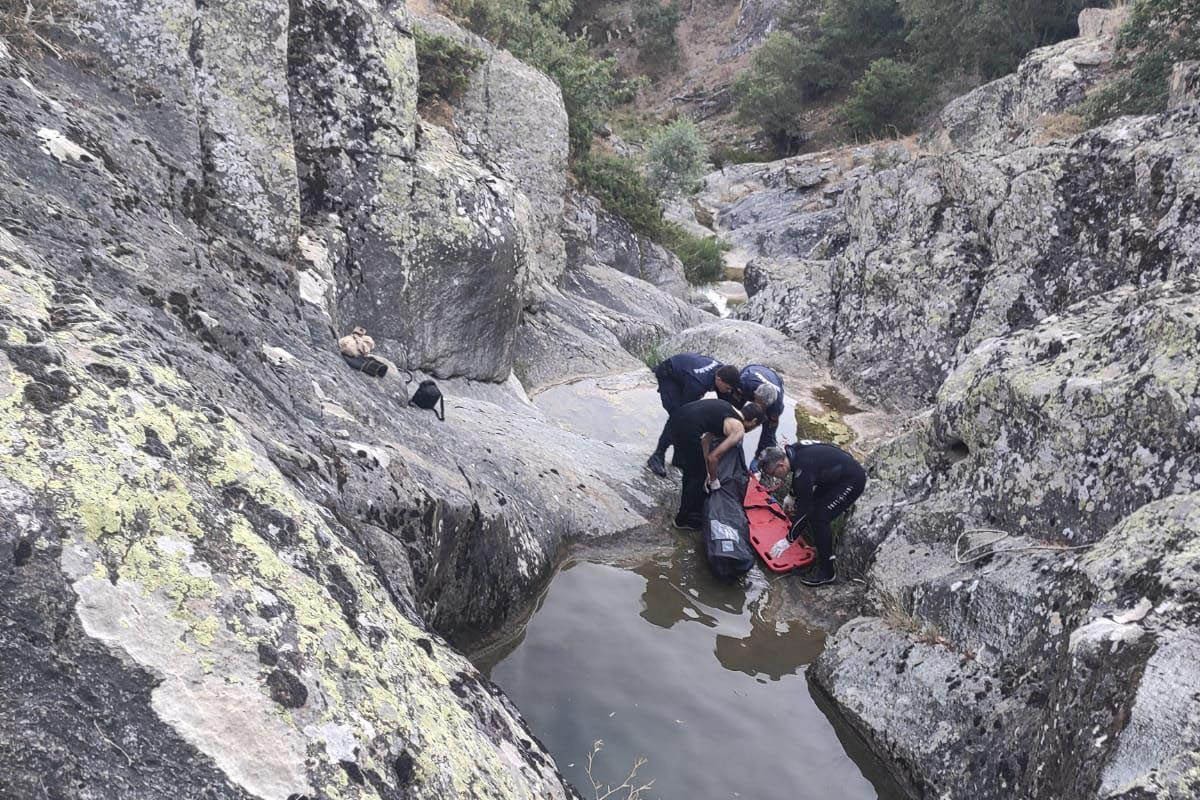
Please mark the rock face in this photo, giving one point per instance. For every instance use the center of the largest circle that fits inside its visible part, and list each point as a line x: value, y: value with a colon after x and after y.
x: 1048, y: 665
x: 939, y: 254
x: 1005, y: 113
x: 229, y: 93
x: 1029, y: 540
x: 230, y: 566
x: 595, y: 237
x: 756, y: 19
x: 1185, y: 84
x: 512, y: 116
x: 436, y: 251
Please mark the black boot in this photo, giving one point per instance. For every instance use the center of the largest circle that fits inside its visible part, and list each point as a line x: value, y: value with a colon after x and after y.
x: 823, y: 575
x: 657, y: 465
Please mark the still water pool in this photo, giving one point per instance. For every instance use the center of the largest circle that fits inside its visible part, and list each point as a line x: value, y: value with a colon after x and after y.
x: 704, y: 680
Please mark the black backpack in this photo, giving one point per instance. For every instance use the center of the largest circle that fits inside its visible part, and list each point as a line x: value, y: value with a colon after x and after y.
x: 429, y: 397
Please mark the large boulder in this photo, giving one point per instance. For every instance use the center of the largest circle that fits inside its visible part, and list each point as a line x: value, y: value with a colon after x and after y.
x: 1040, y: 664
x: 943, y: 252
x: 436, y: 245
x: 1185, y: 84
x: 1011, y: 112
x: 228, y: 93
x: 230, y: 567
x: 512, y: 117
x: 785, y: 210
x: 594, y: 237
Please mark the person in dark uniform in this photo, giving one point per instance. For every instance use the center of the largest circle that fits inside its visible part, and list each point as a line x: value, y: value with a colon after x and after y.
x: 750, y: 384
x: 683, y: 379
x: 826, y: 481
x: 702, y: 431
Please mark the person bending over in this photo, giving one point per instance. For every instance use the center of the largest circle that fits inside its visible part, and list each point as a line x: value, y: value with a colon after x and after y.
x: 702, y: 431
x: 683, y: 379
x: 826, y: 481
x: 763, y: 386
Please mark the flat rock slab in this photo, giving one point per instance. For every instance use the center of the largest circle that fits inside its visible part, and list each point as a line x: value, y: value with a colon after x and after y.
x: 614, y: 409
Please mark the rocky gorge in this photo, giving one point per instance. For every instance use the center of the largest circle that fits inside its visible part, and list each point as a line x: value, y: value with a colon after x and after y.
x: 231, y: 568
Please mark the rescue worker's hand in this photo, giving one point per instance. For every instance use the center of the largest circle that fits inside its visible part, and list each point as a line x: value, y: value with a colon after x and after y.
x: 713, y: 485
x: 779, y: 548
x: 789, y: 505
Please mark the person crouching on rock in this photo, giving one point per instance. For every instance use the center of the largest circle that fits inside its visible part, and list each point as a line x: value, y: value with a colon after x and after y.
x: 356, y: 350
x: 683, y: 379
x: 694, y: 429
x: 826, y: 481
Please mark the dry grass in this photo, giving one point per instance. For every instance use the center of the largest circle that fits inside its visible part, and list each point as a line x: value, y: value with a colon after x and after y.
x: 628, y: 789
x: 26, y: 25
x: 1055, y: 127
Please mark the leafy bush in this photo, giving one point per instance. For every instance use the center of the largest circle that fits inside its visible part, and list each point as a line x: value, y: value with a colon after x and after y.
x: 887, y: 98
x: 656, y: 24
x: 1159, y: 34
x: 531, y: 30
x: 444, y: 66
x: 703, y: 257
x: 676, y: 158
x: 950, y: 42
x: 621, y: 188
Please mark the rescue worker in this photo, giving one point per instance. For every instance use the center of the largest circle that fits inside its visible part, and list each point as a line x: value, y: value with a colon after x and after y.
x: 826, y: 481
x: 683, y: 379
x: 750, y: 383
x: 356, y: 350
x: 694, y: 429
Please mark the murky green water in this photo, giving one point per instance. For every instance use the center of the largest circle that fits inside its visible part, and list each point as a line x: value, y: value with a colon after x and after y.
x: 703, y: 680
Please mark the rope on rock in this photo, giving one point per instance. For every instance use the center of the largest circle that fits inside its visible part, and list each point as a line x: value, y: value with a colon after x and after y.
x: 979, y: 552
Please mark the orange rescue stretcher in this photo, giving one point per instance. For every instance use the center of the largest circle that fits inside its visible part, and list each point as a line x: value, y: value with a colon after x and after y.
x: 768, y: 524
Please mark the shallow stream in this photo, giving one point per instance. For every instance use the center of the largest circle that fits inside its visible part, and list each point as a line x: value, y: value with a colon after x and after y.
x: 704, y: 680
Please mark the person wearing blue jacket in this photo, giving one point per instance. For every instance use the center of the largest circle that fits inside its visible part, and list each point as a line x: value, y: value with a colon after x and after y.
x: 750, y: 384
x: 683, y: 379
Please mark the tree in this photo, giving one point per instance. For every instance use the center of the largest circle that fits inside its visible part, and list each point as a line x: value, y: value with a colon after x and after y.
x: 888, y: 96
x: 656, y: 24
x: 676, y: 158
x: 784, y: 75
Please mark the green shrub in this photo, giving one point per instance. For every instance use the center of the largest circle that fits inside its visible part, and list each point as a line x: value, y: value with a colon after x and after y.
x: 785, y: 75
x: 444, y: 66
x: 703, y: 257
x: 980, y: 40
x: 622, y: 189
x: 887, y: 99
x: 1159, y: 34
x: 656, y: 23
x: 531, y: 30
x: 676, y: 158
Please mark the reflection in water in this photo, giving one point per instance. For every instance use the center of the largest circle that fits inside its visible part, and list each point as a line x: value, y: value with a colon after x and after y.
x: 702, y: 678
x: 680, y: 588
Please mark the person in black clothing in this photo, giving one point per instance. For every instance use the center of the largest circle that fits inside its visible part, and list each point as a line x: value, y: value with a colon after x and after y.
x: 695, y: 431
x: 683, y: 379
x: 826, y: 481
